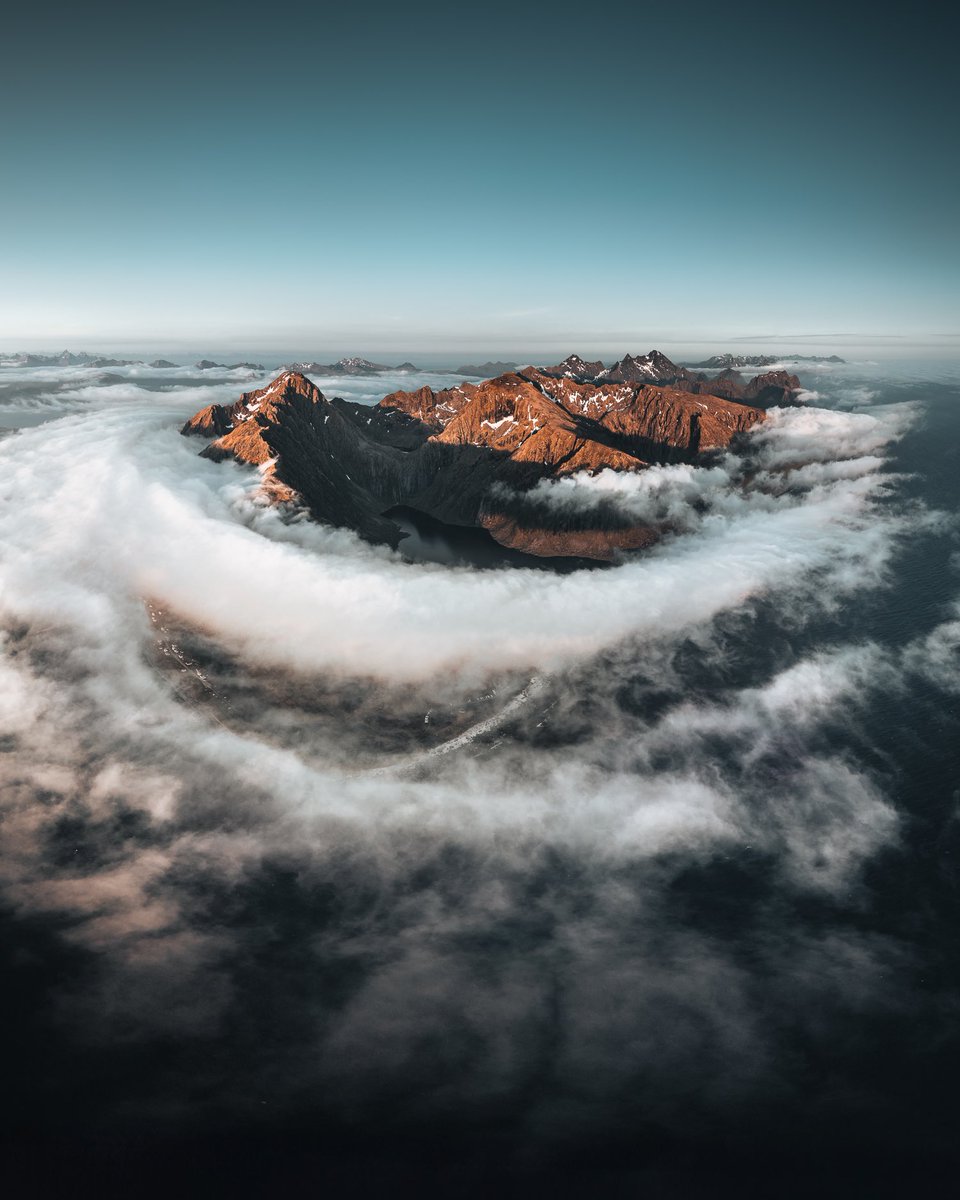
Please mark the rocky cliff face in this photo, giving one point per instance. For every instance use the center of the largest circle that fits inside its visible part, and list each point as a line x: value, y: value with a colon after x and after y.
x: 575, y: 367
x: 655, y: 423
x: 774, y: 389
x: 468, y: 455
x: 653, y: 367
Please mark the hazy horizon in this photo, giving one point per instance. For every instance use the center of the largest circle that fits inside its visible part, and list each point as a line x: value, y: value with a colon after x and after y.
x: 944, y: 347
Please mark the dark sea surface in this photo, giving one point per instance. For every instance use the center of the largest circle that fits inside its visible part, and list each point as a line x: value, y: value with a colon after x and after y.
x: 632, y: 882
x: 428, y: 540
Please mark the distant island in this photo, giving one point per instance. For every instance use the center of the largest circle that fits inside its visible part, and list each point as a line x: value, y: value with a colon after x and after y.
x: 350, y: 366
x: 206, y: 365
x: 67, y: 358
x: 719, y: 361
x: 486, y: 370
x: 472, y: 455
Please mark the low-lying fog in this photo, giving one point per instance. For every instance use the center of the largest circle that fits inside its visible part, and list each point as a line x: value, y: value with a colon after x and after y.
x: 592, y: 852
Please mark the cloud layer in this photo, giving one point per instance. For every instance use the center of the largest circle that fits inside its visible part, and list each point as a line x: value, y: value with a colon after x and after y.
x: 417, y: 810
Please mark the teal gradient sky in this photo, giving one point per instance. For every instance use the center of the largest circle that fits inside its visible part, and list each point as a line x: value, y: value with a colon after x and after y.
x: 493, y: 176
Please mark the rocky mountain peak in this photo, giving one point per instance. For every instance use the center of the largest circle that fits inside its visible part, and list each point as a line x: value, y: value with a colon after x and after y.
x: 469, y: 455
x: 652, y: 367
x: 575, y: 367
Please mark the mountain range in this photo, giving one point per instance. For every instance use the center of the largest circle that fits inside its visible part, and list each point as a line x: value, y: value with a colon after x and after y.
x: 205, y: 364
x: 472, y: 455
x: 719, y: 361
x: 349, y: 366
x: 772, y: 388
x: 66, y: 358
x: 486, y: 370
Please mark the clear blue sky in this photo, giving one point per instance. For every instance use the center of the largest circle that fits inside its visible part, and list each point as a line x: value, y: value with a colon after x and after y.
x: 420, y: 176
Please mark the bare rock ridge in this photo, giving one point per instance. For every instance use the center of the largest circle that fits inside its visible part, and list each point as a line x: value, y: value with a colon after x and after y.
x: 574, y: 367
x: 470, y: 455
x: 765, y: 391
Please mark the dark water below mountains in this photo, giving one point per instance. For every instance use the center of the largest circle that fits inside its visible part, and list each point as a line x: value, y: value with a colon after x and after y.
x: 433, y: 541
x: 684, y: 1026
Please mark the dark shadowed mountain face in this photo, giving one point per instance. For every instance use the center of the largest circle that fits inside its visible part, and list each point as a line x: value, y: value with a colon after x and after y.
x: 325, y: 871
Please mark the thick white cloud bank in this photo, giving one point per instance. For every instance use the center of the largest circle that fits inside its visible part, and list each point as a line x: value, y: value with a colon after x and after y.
x: 105, y: 510
x: 109, y: 510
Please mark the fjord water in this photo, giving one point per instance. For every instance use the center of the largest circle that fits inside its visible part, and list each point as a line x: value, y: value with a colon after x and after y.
x: 429, y: 540
x: 684, y: 921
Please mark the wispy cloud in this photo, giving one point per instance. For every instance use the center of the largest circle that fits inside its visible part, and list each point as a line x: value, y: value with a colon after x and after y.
x: 212, y: 720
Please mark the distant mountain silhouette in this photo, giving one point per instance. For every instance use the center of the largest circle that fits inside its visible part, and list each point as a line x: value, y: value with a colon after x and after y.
x: 205, y: 364
x: 486, y: 370
x: 721, y: 361
x: 349, y: 366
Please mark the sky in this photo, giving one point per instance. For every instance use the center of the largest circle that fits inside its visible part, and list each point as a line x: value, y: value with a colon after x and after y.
x: 494, y: 177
